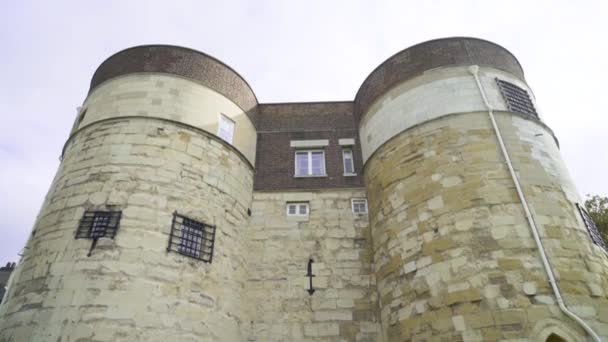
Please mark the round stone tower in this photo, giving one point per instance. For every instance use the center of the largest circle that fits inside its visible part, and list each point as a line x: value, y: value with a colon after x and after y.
x: 145, y: 154
x: 454, y: 251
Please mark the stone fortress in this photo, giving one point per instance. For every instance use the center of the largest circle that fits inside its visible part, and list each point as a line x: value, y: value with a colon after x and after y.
x: 184, y: 210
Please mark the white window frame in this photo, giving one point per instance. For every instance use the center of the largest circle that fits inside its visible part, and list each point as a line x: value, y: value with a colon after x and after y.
x: 225, y: 119
x: 352, y: 203
x: 352, y: 162
x: 298, y: 206
x: 309, y: 159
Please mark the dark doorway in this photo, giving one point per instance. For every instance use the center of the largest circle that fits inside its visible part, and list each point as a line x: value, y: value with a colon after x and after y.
x: 555, y: 338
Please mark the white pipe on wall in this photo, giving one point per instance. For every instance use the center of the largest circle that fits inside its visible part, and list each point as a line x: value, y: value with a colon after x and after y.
x: 474, y: 70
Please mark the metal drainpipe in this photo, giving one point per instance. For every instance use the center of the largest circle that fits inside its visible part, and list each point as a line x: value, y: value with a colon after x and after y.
x: 543, y: 255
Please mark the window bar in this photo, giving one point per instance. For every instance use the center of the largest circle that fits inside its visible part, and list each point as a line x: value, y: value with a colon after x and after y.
x: 594, y: 233
x: 212, y: 242
x: 172, y: 229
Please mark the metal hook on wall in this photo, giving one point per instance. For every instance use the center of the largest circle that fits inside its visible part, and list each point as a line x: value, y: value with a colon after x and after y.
x: 309, y: 274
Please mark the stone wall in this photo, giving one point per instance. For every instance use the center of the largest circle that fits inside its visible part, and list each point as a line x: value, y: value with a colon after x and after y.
x: 438, y: 92
x: 446, y: 253
x: 158, y: 95
x: 344, y: 305
x: 453, y: 254
x: 131, y: 288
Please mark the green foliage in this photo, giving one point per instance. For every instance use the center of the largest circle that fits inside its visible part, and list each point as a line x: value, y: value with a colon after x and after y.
x: 597, y: 207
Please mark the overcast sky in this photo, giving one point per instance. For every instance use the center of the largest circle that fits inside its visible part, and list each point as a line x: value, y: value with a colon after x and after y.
x: 287, y: 51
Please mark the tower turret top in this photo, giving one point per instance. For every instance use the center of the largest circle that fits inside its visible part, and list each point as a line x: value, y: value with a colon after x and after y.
x: 180, y: 61
x: 432, y: 54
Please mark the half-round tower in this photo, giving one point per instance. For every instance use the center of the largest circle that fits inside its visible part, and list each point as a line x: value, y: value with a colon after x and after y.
x: 454, y: 250
x: 141, y: 234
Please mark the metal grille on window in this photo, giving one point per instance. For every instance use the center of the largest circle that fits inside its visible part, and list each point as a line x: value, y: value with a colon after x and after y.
x: 98, y: 224
x: 516, y: 98
x: 591, y: 228
x: 191, y: 238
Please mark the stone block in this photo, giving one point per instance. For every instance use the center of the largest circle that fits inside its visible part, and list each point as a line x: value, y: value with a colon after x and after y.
x: 469, y: 295
x: 491, y: 334
x: 543, y: 299
x: 509, y: 317
x: 583, y: 311
x: 435, y: 203
x: 480, y: 320
x: 537, y: 313
x: 507, y: 264
x: 334, y: 315
x: 595, y: 290
x: 458, y: 287
x: 529, y: 288
x: 409, y: 267
x: 328, y: 329
x: 437, y: 246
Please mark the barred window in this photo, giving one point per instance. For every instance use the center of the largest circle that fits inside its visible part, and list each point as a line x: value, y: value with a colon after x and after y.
x: 591, y: 227
x: 98, y: 224
x: 191, y: 238
x: 516, y: 98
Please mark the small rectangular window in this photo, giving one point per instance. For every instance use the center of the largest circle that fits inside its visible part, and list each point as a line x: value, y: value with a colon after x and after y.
x: 98, y: 224
x: 594, y: 233
x: 191, y: 238
x: 359, y: 205
x: 516, y: 98
x: 292, y: 209
x: 349, y: 165
x: 310, y: 163
x: 297, y: 209
x: 226, y: 128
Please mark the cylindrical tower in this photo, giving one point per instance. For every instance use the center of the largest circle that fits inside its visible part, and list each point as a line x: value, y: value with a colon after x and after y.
x: 160, y: 159
x: 454, y: 253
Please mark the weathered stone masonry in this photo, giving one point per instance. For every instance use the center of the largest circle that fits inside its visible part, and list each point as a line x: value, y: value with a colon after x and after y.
x: 130, y: 288
x: 445, y: 254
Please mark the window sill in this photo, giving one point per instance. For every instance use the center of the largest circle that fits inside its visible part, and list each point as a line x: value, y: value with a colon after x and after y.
x: 297, y: 218
x: 349, y: 175
x: 310, y: 176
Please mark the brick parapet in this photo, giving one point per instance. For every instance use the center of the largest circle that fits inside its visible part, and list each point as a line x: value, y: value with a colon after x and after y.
x: 432, y: 54
x: 180, y: 61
